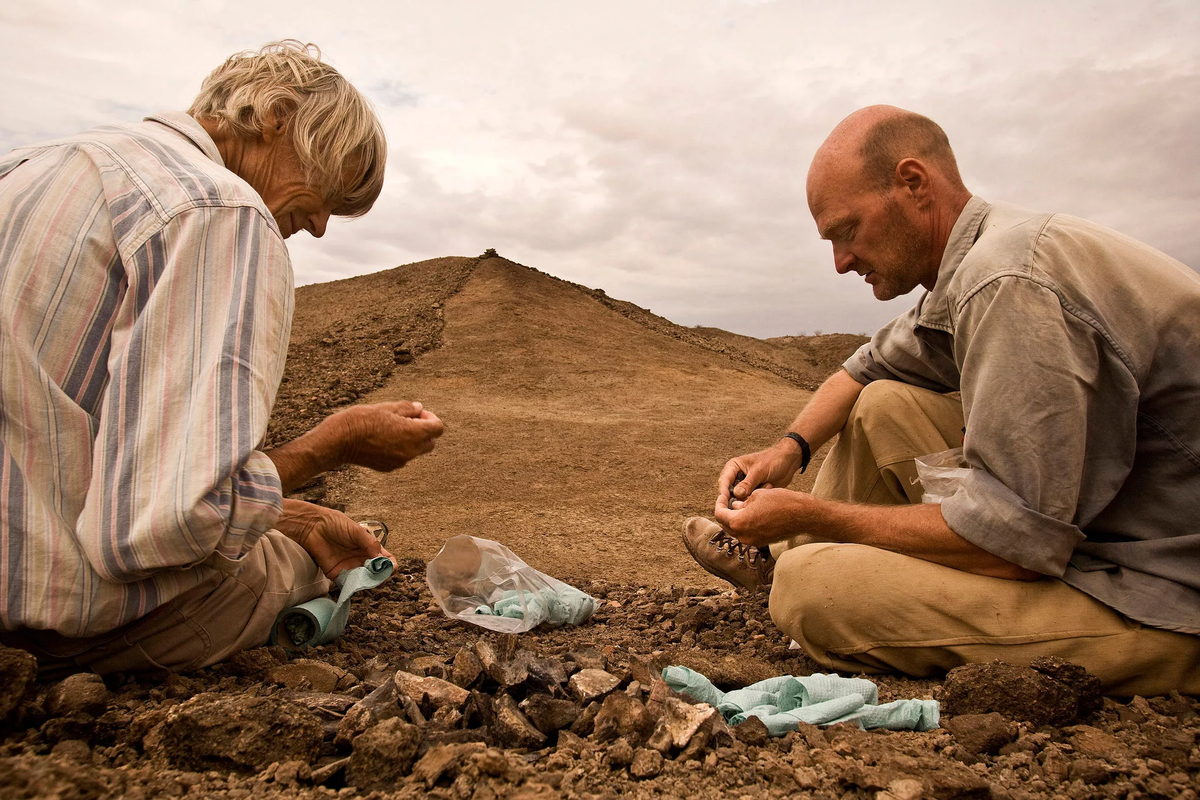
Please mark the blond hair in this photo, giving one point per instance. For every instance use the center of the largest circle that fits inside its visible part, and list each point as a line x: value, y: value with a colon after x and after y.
x: 337, y: 137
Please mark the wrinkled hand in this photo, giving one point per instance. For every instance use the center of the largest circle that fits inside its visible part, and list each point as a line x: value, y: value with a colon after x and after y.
x: 767, y: 515
x: 385, y: 436
x: 775, y: 466
x: 333, y: 540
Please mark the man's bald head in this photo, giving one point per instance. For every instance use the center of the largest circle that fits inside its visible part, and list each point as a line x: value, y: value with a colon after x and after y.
x: 874, y: 140
x: 884, y: 189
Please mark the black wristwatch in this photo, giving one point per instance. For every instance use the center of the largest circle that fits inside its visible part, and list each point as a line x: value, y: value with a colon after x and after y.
x: 805, y: 450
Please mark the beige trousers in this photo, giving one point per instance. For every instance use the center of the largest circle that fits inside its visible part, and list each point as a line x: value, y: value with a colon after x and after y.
x: 855, y: 608
x: 220, y: 617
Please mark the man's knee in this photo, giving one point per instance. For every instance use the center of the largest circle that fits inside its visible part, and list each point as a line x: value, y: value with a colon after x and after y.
x: 883, y: 403
x: 816, y: 596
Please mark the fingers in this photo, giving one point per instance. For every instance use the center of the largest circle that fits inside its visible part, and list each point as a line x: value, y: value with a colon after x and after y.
x: 725, y: 482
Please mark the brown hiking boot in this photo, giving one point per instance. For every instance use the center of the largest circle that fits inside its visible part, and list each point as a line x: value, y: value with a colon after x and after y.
x: 746, y: 567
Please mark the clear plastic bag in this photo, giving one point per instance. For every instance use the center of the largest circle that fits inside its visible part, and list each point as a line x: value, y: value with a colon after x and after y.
x: 484, y: 583
x: 941, y: 474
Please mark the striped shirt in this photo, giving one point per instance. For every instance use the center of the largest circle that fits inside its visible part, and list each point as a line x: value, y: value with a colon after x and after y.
x: 145, y: 308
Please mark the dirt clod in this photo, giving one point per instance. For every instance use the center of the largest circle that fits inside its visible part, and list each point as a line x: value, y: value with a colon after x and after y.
x: 1019, y: 693
x: 384, y: 755
x: 239, y: 733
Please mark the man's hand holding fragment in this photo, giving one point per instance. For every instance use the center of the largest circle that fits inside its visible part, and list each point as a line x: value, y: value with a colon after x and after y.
x: 386, y: 436
x: 333, y: 541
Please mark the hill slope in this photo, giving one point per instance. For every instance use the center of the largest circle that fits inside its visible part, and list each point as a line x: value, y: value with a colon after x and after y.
x: 581, y: 430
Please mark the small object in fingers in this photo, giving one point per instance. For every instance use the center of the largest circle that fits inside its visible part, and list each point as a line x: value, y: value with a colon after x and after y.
x: 741, y: 476
x: 377, y: 529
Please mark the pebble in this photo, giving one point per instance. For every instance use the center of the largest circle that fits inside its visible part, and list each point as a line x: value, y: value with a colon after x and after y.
x: 592, y: 684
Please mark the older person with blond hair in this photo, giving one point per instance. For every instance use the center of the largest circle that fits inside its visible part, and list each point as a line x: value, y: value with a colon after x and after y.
x: 145, y: 308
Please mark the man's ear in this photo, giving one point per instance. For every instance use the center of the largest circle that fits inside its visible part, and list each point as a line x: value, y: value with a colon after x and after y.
x: 273, y: 126
x: 913, y: 179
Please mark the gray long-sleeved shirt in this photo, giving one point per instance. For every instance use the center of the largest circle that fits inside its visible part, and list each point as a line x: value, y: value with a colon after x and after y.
x: 1077, y: 352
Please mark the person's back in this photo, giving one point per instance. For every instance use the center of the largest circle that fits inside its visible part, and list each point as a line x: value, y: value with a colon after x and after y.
x: 103, y: 286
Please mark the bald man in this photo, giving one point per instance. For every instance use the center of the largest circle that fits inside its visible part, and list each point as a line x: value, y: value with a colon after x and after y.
x: 1062, y: 357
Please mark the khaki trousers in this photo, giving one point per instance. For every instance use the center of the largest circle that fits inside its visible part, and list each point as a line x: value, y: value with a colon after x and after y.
x: 854, y: 608
x: 220, y: 617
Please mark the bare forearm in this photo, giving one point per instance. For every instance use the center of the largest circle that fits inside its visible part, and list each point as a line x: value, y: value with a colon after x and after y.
x: 828, y: 410
x: 302, y: 459
x: 919, y: 531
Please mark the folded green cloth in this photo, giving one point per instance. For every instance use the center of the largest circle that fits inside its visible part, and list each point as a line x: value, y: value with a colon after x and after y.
x: 783, y: 703
x: 554, y: 605
x: 324, y: 619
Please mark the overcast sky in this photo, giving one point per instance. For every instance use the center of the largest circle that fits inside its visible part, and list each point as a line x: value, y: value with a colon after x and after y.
x: 657, y: 150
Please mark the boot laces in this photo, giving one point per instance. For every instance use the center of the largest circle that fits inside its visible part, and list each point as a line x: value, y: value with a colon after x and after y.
x: 751, y: 556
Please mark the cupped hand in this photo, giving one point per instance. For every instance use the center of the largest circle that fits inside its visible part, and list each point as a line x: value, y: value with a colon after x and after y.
x: 386, y: 436
x: 775, y: 466
x: 768, y: 515
x: 333, y: 540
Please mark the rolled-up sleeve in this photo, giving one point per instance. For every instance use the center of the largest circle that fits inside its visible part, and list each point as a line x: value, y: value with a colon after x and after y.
x: 197, y: 354
x: 1039, y: 423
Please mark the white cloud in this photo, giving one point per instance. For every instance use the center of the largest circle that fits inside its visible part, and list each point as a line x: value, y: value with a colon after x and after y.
x: 658, y: 150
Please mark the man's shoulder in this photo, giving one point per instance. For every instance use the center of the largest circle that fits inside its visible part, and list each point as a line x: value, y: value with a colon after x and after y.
x: 157, y: 167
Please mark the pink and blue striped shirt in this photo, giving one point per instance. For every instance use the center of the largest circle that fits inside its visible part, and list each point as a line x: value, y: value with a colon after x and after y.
x: 145, y: 308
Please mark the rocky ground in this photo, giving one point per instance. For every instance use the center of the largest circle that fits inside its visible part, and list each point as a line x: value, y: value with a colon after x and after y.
x: 410, y: 703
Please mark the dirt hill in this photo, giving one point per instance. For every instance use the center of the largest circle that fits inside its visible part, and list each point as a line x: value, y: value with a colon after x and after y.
x: 581, y: 430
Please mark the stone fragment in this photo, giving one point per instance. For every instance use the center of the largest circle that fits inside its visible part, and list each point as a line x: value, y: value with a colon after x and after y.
x: 383, y: 756
x: 547, y: 674
x: 1088, y: 770
x: 679, y: 723
x: 512, y: 728
x: 1085, y: 685
x: 902, y: 789
x: 587, y: 720
x: 1019, y: 693
x: 366, y: 713
x: 81, y: 693
x: 592, y: 684
x: 570, y: 743
x: 980, y: 734
x: 726, y: 672
x: 241, y: 733
x: 694, y: 618
x: 430, y: 666
x: 492, y: 762
x: 252, y: 663
x: 480, y: 710
x: 306, y: 673
x: 939, y: 779
x: 375, y: 673
x: 547, y: 714
x: 619, y: 753
x: 432, y: 691
x: 587, y: 658
x: 326, y: 773
x: 444, y: 759
x: 485, y: 651
x: 1095, y: 743
x: 623, y: 716
x: 646, y: 764
x: 75, y: 750
x: 467, y: 668
x: 18, y: 675
x: 752, y: 731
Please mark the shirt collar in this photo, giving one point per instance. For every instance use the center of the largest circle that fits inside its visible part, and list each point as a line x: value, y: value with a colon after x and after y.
x: 193, y: 131
x: 935, y: 305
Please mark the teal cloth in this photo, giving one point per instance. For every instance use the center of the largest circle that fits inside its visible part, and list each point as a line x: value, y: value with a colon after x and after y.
x: 783, y: 703
x: 561, y: 605
x: 324, y: 619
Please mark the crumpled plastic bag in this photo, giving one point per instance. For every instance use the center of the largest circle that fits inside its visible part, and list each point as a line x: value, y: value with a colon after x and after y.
x: 941, y: 474
x: 484, y: 583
